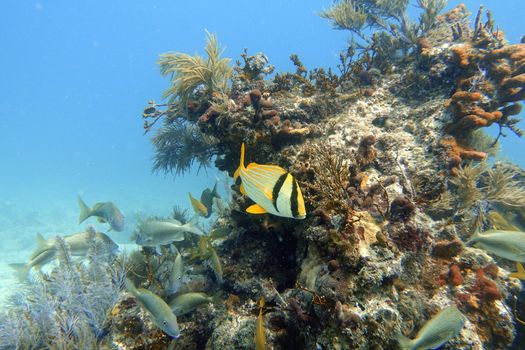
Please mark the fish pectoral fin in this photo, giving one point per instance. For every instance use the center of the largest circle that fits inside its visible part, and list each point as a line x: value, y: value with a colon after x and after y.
x: 256, y: 209
x: 243, y: 191
x: 101, y: 220
x: 446, y: 335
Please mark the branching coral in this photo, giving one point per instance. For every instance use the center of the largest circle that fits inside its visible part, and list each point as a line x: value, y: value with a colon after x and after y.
x: 188, y: 73
x: 481, y: 190
x: 253, y: 67
x: 392, y: 28
x: 178, y: 145
x: 329, y: 189
x: 503, y: 188
x: 467, y: 182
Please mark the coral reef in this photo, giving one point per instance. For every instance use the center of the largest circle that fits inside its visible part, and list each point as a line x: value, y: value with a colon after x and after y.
x: 489, y: 87
x: 389, y: 162
x: 389, y: 153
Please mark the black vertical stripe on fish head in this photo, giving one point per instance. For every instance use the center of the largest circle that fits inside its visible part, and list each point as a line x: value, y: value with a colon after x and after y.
x: 294, y: 202
x: 277, y: 188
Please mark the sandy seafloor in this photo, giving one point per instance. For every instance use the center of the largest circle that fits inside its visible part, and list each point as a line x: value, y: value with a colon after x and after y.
x: 48, y: 212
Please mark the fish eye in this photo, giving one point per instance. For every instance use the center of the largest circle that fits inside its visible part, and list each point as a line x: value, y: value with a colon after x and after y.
x: 164, y: 322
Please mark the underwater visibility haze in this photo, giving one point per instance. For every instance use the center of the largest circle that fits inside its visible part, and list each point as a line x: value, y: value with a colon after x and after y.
x: 319, y: 175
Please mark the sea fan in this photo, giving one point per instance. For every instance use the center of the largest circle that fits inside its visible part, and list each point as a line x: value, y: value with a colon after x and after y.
x: 67, y: 307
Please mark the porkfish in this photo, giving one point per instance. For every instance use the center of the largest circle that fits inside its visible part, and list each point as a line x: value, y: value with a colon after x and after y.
x: 273, y: 189
x: 505, y: 244
x: 444, y: 326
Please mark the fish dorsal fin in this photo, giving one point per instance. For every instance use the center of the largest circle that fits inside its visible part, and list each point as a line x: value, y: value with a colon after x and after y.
x: 256, y: 209
x: 174, y: 221
x: 214, y: 192
x: 275, y: 169
x: 241, y: 164
x: 41, y: 242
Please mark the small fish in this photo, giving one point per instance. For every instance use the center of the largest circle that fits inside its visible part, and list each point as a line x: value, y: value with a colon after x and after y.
x: 199, y: 208
x: 215, y: 264
x: 189, y: 302
x: 46, y: 250
x: 260, y: 337
x: 208, y: 196
x: 159, y: 311
x: 153, y: 233
x: 104, y: 212
x: 520, y: 273
x: 176, y: 273
x: 444, y: 326
x: 272, y: 188
x: 219, y: 232
x: 506, y: 244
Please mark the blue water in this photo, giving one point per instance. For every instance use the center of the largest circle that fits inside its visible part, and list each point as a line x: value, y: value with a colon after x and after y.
x: 75, y: 76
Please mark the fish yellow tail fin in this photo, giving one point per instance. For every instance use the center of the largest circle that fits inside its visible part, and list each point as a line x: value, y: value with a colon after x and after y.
x: 22, y: 271
x: 520, y: 273
x: 241, y: 164
x: 85, y: 211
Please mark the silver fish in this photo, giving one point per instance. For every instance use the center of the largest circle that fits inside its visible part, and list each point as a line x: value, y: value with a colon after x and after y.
x: 506, y: 244
x: 215, y: 264
x: 104, y: 212
x: 186, y: 303
x: 444, y: 326
x: 152, y: 233
x: 159, y: 311
x: 46, y: 250
x: 176, y: 273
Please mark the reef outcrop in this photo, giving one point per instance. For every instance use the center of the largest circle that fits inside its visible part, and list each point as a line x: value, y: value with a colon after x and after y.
x: 383, y: 153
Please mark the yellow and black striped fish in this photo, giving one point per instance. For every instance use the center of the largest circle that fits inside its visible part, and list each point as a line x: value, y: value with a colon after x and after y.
x: 273, y: 189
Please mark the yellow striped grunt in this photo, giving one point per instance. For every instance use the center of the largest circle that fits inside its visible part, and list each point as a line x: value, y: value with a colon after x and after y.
x: 273, y: 189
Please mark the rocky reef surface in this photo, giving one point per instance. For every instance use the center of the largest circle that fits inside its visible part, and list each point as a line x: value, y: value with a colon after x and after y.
x: 391, y: 160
